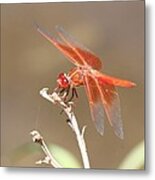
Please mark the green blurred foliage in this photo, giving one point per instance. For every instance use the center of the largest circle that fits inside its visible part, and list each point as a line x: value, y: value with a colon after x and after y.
x: 135, y: 158
x: 62, y: 155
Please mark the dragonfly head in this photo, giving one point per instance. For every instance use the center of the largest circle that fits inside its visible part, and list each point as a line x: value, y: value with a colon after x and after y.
x: 63, y: 81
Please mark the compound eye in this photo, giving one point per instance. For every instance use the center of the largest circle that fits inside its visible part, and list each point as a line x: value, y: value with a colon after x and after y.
x: 61, y: 75
x: 63, y: 81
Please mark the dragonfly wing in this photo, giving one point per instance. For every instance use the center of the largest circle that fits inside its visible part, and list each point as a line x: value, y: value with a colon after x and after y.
x: 65, y: 49
x: 86, y: 56
x: 102, y: 78
x: 104, y: 98
x: 112, y: 108
x: 95, y: 103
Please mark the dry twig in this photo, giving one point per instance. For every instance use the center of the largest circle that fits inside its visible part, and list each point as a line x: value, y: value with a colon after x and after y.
x: 56, y: 99
x: 49, y: 159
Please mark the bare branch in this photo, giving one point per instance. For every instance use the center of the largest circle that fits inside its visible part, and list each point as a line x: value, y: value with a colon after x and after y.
x: 56, y: 99
x: 49, y: 159
x: 83, y: 130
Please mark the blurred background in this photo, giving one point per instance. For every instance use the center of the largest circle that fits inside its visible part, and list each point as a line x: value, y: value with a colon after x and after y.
x: 112, y: 30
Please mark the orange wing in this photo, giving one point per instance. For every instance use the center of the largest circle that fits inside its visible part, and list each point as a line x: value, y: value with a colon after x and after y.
x: 104, y: 96
x: 77, y: 54
x: 87, y: 56
x: 112, y: 108
x: 104, y: 79
x: 67, y: 51
x: 95, y: 103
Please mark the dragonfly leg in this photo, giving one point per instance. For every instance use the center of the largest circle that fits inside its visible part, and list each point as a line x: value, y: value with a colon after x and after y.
x: 62, y: 91
x: 74, y: 94
x: 66, y: 93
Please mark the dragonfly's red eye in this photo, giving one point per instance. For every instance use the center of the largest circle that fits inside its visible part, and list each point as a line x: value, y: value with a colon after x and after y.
x: 62, y: 81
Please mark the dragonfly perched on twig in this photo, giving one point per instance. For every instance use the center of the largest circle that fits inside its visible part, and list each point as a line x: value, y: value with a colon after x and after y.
x: 100, y: 88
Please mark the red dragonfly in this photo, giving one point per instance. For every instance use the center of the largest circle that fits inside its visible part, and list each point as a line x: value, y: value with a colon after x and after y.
x: 100, y: 88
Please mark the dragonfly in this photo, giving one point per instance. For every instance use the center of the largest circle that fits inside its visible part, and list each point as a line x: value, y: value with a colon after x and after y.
x: 100, y: 88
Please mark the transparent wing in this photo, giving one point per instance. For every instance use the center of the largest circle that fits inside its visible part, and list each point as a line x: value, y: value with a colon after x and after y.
x: 87, y: 57
x: 107, y: 97
x: 64, y: 48
x: 112, y: 108
x: 95, y: 103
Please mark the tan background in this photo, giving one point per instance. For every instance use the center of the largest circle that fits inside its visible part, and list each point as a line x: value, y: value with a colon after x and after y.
x: 114, y: 31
